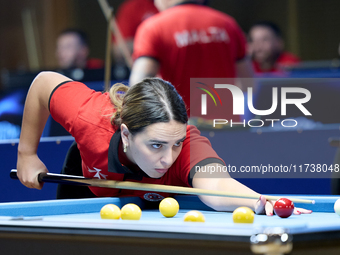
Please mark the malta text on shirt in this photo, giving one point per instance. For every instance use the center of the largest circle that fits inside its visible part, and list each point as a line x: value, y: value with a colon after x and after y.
x: 203, y: 36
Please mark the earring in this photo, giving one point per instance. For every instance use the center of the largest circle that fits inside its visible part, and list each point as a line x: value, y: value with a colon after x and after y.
x: 124, y: 147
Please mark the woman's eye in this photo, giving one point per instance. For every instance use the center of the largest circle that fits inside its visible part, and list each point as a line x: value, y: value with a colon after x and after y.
x: 156, y: 146
x: 178, y: 144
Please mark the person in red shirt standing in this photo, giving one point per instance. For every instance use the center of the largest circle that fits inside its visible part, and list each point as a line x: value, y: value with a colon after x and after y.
x: 129, y: 16
x: 266, y: 48
x: 189, y: 40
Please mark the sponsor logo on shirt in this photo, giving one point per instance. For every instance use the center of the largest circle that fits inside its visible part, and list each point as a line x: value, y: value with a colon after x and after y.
x: 153, y: 197
x: 98, y: 174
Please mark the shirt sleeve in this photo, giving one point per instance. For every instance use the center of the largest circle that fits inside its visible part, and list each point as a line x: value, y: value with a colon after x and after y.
x: 66, y: 100
x: 196, y: 151
x: 147, y: 43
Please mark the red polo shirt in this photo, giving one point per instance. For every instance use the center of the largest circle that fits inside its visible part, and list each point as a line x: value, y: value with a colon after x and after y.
x: 85, y: 114
x: 191, y: 41
x: 133, y: 12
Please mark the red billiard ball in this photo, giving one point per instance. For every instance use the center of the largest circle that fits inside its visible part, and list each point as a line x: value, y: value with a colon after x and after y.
x: 283, y: 207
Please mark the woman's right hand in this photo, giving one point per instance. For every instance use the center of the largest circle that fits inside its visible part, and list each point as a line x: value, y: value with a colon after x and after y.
x: 36, y: 113
x: 28, y: 169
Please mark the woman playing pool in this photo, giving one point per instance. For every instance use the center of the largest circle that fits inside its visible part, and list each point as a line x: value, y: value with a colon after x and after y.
x: 134, y: 134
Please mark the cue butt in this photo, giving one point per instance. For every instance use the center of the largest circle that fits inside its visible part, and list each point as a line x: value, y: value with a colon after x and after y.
x: 53, y: 178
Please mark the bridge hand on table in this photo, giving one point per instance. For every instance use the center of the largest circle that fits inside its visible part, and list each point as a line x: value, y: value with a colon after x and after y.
x: 264, y: 206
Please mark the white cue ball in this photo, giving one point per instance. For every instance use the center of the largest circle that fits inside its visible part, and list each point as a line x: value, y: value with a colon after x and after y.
x: 337, y: 206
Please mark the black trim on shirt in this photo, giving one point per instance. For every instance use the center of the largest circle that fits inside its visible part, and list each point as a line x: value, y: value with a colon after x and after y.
x: 49, y: 100
x: 200, y: 164
x: 114, y: 165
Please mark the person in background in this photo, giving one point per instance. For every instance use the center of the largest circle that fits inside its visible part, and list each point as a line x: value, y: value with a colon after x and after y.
x: 129, y: 16
x: 266, y: 47
x: 189, y: 40
x: 73, y: 51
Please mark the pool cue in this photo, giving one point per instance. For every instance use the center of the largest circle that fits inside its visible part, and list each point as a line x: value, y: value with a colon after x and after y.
x: 79, y: 180
x: 30, y: 34
x: 108, y: 53
x: 116, y: 31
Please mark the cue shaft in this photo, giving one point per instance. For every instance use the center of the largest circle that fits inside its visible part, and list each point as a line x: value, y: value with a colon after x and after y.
x: 30, y: 33
x: 107, y: 77
x: 116, y: 31
x: 48, y: 177
x: 174, y: 189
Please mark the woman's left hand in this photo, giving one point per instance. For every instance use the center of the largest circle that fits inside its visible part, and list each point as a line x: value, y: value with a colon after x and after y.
x: 264, y: 206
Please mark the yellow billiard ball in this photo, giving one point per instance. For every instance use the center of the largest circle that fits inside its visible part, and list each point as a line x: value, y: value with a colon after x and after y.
x: 110, y: 212
x: 243, y: 215
x: 194, y: 216
x: 169, y: 207
x: 131, y: 212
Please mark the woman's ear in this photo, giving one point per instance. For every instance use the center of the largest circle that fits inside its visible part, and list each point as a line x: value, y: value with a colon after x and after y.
x: 125, y: 134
